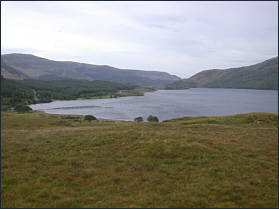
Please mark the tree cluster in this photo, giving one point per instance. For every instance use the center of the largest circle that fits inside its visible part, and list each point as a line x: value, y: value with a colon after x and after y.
x: 15, y: 92
x: 150, y: 118
x: 70, y: 89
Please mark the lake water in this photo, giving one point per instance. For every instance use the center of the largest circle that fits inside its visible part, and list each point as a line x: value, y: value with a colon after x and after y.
x: 168, y: 104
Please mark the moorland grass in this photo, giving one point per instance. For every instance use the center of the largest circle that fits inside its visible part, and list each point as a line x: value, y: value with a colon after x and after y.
x: 48, y: 161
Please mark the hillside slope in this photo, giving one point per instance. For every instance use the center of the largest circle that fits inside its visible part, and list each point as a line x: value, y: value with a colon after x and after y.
x: 62, y: 161
x: 22, y: 66
x: 259, y: 76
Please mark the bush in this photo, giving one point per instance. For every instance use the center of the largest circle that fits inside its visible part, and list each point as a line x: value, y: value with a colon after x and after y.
x: 69, y: 117
x: 89, y: 118
x: 4, y: 108
x: 22, y: 108
x: 152, y: 118
x: 138, y: 119
x: 17, y: 107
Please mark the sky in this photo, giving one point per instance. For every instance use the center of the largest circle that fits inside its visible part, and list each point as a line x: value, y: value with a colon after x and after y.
x: 178, y: 37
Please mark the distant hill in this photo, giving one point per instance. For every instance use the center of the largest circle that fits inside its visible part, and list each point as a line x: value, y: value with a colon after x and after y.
x: 27, y: 66
x: 259, y: 76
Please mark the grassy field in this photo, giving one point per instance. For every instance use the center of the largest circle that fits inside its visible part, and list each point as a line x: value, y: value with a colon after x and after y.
x: 48, y: 161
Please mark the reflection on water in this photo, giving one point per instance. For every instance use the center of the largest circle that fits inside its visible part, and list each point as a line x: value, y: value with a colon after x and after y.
x: 168, y: 104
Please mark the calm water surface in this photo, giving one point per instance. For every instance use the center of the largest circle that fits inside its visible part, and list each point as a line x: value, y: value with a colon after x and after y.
x: 168, y: 104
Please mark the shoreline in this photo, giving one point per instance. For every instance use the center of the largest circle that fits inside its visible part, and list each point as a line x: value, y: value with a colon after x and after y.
x: 41, y: 112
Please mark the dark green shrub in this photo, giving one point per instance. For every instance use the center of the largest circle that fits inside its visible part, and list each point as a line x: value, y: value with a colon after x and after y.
x: 22, y: 108
x: 89, y: 118
x: 138, y: 119
x: 4, y: 109
x: 152, y: 118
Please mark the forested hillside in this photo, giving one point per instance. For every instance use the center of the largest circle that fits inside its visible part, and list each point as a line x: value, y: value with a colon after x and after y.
x: 13, y: 92
x: 22, y: 91
x: 260, y: 76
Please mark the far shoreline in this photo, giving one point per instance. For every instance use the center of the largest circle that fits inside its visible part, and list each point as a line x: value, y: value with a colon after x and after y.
x: 41, y: 112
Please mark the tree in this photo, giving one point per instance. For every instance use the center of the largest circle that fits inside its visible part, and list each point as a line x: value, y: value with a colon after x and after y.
x: 89, y: 118
x: 138, y: 119
x: 25, y: 108
x: 22, y: 108
x: 152, y: 118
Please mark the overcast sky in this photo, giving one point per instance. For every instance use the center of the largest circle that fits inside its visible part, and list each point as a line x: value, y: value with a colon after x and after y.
x: 181, y: 38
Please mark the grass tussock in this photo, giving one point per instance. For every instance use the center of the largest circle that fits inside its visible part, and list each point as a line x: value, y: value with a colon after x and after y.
x: 48, y: 161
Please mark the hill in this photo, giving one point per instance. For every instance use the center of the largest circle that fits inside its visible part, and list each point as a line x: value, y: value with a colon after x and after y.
x: 56, y: 161
x: 259, y: 76
x: 27, y: 66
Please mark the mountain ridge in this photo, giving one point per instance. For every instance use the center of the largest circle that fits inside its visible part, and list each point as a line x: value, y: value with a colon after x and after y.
x: 28, y: 66
x: 263, y: 75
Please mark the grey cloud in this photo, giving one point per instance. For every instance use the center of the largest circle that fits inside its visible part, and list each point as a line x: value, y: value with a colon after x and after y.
x: 175, y: 36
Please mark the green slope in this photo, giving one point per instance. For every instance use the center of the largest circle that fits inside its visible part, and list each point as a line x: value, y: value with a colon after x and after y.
x: 260, y: 76
x: 194, y: 162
